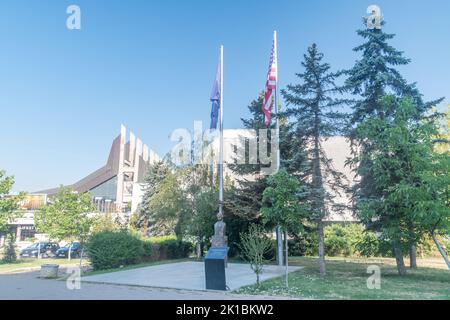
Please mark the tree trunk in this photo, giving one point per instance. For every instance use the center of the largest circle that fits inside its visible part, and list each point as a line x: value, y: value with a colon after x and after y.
x: 280, y: 259
x: 413, y: 257
x: 441, y: 250
x: 322, y: 266
x: 69, y: 256
x: 399, y: 259
x: 81, y: 257
x: 318, y: 185
x: 287, y: 258
x: 199, y: 248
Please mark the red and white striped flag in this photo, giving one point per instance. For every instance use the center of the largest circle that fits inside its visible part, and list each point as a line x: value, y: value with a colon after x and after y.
x: 271, y: 83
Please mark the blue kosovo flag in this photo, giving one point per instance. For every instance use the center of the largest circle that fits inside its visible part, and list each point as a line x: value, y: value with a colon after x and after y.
x: 215, y: 98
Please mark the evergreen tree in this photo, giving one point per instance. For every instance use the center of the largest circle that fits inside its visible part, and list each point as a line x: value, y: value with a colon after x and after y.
x: 244, y: 200
x: 374, y: 76
x: 371, y: 78
x: 246, y: 195
x: 313, y: 109
x: 152, y: 180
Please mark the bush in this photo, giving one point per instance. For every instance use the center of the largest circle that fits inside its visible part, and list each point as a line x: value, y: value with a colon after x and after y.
x: 254, y: 244
x: 271, y: 253
x: 160, y: 240
x: 340, y: 240
x: 369, y: 245
x: 169, y: 247
x: 113, y: 249
x: 178, y: 249
x: 10, y: 254
x: 148, y: 250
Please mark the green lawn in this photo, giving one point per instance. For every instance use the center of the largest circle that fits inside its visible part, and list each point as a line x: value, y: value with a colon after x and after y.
x: 23, y: 265
x: 347, y: 279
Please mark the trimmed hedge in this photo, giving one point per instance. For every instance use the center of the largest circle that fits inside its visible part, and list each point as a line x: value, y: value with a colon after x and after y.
x: 113, y: 249
x: 169, y: 247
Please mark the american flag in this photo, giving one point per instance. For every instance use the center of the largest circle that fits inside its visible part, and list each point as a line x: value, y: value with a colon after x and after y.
x: 271, y: 83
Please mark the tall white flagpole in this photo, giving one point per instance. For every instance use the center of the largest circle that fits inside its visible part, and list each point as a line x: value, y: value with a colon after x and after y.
x: 221, y: 138
x: 276, y: 101
x: 279, y: 232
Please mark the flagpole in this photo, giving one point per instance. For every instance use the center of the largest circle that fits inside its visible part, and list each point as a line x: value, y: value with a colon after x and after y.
x: 277, y: 131
x: 276, y: 104
x: 221, y: 138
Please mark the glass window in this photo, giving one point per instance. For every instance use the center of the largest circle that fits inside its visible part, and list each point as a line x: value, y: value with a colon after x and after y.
x: 106, y: 190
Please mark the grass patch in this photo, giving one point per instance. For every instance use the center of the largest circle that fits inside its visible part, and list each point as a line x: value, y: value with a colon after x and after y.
x: 23, y: 265
x: 347, y: 279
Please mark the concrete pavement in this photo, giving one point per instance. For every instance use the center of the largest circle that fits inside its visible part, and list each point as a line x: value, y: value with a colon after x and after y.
x: 186, y: 276
x: 27, y: 286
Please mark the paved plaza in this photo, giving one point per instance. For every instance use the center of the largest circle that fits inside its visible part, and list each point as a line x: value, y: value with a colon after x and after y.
x: 185, y: 275
x: 28, y: 286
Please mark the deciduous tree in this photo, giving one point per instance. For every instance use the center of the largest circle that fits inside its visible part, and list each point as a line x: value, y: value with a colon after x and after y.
x: 68, y: 216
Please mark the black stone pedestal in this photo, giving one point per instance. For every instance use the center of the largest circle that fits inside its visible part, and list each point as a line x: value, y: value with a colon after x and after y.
x: 215, y: 264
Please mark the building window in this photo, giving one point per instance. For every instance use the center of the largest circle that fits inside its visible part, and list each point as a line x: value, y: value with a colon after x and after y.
x: 107, y: 190
x: 27, y: 233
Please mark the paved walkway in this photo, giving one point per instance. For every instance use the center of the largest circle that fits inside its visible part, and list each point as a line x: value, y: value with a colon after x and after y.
x: 27, y: 286
x: 185, y: 275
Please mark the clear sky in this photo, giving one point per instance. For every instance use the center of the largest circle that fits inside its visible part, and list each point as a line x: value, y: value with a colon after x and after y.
x: 150, y: 65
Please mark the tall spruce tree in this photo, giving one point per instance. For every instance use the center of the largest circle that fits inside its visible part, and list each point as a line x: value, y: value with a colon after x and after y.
x: 250, y: 185
x: 313, y: 109
x: 153, y: 179
x: 371, y: 78
x: 245, y: 200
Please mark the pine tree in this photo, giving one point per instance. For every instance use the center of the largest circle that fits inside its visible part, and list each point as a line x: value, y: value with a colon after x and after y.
x: 244, y: 202
x: 313, y: 111
x: 153, y: 178
x: 371, y: 78
x: 374, y: 76
x: 246, y: 195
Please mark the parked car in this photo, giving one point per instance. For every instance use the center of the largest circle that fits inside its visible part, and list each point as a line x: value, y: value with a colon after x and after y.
x: 45, y: 249
x: 75, y: 250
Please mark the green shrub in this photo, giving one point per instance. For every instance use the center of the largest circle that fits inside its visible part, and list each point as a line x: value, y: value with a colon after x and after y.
x: 271, y: 253
x: 178, y: 249
x: 113, y: 249
x: 10, y: 254
x: 369, y: 245
x: 340, y: 240
x: 162, y: 239
x: 148, y: 250
x: 169, y: 247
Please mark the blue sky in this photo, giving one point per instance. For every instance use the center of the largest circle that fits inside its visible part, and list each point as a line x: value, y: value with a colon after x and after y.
x: 150, y: 65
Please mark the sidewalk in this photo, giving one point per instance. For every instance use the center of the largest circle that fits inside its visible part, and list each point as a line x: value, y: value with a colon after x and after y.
x: 27, y: 286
